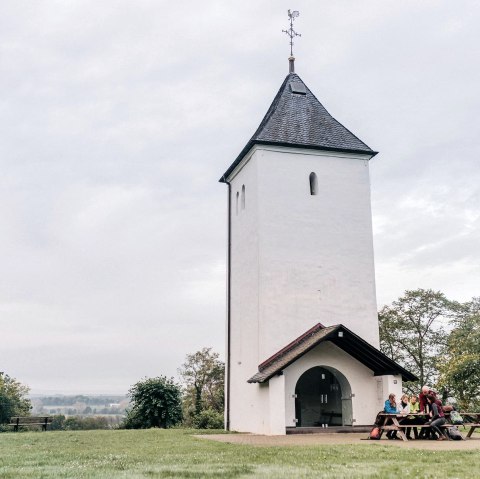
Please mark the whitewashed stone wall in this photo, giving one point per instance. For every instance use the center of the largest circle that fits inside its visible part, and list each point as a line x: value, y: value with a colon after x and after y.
x: 296, y: 260
x: 367, y: 399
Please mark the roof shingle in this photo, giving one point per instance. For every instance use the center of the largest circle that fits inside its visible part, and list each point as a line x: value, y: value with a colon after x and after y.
x: 297, y: 118
x: 342, y: 337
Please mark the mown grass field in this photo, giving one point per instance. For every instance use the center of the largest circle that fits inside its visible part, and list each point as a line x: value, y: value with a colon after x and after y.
x: 177, y: 454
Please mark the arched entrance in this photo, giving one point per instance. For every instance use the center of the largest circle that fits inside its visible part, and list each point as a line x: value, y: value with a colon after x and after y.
x: 323, y: 398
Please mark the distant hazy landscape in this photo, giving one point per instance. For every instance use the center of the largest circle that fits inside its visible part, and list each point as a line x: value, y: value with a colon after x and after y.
x: 112, y: 407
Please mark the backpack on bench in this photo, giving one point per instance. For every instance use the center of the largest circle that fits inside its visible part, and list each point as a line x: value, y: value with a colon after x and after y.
x: 456, y: 418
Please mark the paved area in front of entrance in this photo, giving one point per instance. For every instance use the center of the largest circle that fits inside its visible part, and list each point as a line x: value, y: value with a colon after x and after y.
x: 343, y: 438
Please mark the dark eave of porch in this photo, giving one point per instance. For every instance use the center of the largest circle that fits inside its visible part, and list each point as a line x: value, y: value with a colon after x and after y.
x: 342, y: 337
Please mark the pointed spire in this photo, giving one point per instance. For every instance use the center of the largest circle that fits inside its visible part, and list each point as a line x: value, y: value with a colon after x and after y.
x: 296, y: 118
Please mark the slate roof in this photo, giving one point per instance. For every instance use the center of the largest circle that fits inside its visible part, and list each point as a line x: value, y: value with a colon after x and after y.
x: 297, y: 118
x: 352, y: 344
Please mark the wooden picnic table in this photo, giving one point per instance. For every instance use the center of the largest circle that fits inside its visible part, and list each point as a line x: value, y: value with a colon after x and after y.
x: 471, y: 420
x: 392, y: 422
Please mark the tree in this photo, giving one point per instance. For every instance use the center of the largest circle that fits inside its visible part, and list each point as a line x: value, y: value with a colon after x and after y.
x: 156, y: 402
x: 460, y: 369
x: 203, y: 377
x: 412, y: 332
x: 12, y: 398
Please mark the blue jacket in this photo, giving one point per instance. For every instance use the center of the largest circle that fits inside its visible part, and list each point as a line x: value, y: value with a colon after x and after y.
x: 388, y: 408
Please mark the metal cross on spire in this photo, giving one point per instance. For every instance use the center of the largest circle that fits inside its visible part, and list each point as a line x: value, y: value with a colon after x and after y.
x: 292, y: 34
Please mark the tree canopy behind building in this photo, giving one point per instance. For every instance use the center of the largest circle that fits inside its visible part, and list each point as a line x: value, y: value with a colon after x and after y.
x: 438, y: 340
x: 414, y: 332
x: 203, y: 380
x: 460, y: 368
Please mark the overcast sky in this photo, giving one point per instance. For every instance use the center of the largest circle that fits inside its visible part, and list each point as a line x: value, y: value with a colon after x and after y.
x: 118, y: 118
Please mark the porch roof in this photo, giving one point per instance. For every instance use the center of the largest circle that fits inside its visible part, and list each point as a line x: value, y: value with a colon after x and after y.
x: 342, y: 337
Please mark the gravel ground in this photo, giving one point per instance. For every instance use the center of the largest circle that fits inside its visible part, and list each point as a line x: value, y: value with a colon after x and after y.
x: 336, y: 438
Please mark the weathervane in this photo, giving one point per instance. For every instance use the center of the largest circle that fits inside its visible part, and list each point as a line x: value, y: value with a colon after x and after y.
x: 292, y: 34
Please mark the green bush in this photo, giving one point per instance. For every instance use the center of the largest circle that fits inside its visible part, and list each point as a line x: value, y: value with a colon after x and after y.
x: 57, y: 423
x: 85, y: 423
x: 156, y: 402
x: 208, y: 419
x: 77, y: 423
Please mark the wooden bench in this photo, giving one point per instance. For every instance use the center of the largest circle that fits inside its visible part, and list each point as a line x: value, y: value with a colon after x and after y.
x: 42, y: 421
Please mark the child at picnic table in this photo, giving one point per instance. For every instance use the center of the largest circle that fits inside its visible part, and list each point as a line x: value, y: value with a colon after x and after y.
x: 413, y: 404
x: 391, y: 408
x: 404, y: 409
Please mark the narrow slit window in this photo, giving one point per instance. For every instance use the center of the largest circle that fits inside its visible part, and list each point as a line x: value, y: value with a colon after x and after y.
x: 236, y: 205
x: 243, y: 197
x: 313, y: 184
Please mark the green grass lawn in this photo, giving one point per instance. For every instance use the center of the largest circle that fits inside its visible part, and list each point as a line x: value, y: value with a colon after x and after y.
x: 177, y: 454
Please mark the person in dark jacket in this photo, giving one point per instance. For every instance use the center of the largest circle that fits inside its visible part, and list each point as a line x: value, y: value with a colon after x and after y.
x: 438, y: 416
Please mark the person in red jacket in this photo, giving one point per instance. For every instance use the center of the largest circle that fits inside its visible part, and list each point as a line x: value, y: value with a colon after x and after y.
x: 424, y: 406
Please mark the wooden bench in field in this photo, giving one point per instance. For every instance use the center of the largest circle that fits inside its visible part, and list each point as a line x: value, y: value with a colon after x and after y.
x: 42, y: 421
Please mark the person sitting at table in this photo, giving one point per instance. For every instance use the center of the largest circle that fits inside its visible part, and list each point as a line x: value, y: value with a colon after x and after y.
x: 422, y: 398
x: 426, y: 432
x: 414, y: 406
x: 404, y: 406
x: 413, y: 419
x: 404, y: 410
x: 438, y: 416
x: 391, y: 408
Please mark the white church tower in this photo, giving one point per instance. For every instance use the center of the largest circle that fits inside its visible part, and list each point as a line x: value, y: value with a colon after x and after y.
x: 302, y: 328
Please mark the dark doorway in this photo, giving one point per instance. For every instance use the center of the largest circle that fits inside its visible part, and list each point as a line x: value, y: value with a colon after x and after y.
x: 319, y: 401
